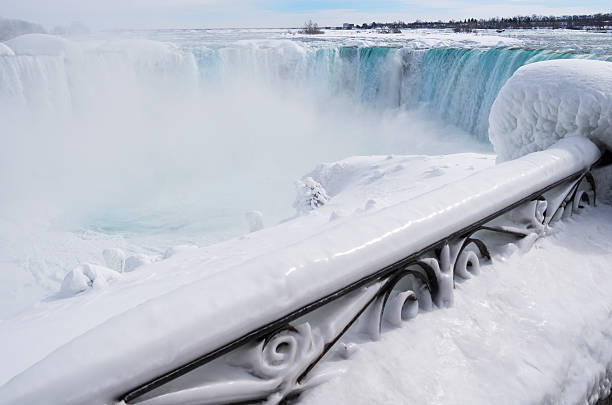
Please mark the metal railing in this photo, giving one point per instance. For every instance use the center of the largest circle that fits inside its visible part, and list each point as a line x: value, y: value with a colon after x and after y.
x: 278, y: 360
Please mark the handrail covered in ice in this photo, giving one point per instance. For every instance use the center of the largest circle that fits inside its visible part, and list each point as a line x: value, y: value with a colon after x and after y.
x: 260, y: 330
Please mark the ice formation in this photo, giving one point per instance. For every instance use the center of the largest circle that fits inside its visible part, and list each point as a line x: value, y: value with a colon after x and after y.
x: 546, y: 101
x: 254, y: 220
x: 310, y: 195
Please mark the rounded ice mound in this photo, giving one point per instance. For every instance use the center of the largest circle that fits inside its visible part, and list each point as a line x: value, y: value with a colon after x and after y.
x: 5, y: 50
x: 546, y: 101
x: 41, y: 44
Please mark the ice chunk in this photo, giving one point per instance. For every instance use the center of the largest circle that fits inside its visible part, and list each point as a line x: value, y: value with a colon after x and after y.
x: 254, y: 220
x: 114, y: 259
x: 135, y: 261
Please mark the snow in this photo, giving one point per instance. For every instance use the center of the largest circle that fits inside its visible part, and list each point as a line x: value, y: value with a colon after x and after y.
x: 413, y: 38
x: 262, y: 278
x: 546, y: 101
x: 533, y: 328
x: 405, y: 177
x: 114, y: 259
x: 310, y: 195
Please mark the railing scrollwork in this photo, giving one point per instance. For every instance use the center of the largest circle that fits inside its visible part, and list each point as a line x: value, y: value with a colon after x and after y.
x: 281, y: 362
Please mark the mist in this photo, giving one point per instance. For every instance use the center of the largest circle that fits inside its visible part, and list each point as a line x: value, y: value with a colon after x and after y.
x: 140, y: 144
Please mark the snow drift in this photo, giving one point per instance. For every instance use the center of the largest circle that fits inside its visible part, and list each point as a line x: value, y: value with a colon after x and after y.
x: 546, y: 101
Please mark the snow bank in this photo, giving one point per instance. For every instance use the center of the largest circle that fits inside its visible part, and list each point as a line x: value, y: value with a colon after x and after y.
x: 546, y: 101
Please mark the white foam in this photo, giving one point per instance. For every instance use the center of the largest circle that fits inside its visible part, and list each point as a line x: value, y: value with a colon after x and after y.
x: 5, y: 50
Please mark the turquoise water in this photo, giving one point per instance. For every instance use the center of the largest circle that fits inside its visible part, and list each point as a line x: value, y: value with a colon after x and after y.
x: 458, y: 85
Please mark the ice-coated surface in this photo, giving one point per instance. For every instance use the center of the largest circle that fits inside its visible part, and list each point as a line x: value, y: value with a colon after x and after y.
x: 138, y: 341
x: 533, y: 328
x: 546, y: 101
x: 354, y: 181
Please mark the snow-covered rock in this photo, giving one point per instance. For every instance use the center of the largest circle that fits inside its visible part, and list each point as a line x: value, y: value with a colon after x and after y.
x: 546, y: 101
x: 85, y: 277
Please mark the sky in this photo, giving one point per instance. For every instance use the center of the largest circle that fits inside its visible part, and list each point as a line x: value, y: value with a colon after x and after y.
x: 112, y: 14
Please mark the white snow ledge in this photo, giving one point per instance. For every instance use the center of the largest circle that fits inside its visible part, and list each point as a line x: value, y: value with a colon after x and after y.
x: 547, y: 101
x: 164, y: 333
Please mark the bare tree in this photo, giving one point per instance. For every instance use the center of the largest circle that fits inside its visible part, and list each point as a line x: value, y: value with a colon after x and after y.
x: 311, y: 28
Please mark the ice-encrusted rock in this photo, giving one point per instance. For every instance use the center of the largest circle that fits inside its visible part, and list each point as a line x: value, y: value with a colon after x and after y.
x: 546, y: 101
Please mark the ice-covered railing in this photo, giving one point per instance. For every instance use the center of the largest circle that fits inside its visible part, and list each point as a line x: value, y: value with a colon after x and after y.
x: 263, y: 330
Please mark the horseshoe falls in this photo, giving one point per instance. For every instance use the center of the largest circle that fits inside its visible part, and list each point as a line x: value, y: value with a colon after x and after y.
x: 157, y: 141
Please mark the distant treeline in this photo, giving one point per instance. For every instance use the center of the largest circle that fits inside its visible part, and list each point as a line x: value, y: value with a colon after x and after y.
x: 578, y: 22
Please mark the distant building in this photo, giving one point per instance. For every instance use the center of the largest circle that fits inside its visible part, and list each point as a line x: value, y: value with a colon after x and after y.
x: 348, y: 26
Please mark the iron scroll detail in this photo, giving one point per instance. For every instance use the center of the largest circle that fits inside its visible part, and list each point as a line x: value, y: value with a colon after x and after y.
x: 276, y: 362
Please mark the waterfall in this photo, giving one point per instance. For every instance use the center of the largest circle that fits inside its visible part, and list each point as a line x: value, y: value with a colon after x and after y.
x: 458, y: 85
x: 112, y: 126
